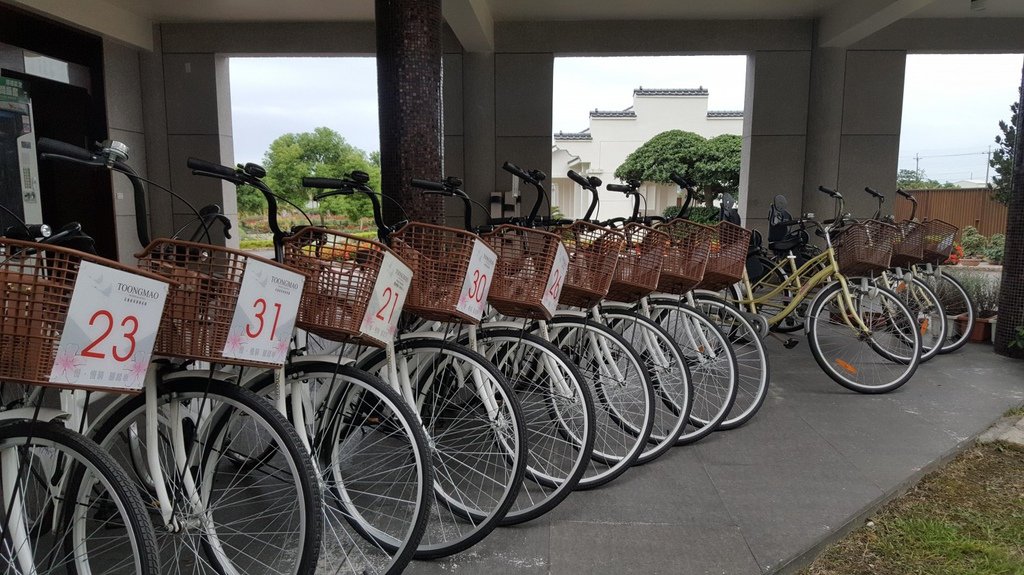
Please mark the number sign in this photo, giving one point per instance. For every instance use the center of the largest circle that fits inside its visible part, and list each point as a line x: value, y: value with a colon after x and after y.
x: 264, y: 318
x: 556, y: 279
x: 110, y: 329
x: 476, y: 285
x: 381, y: 318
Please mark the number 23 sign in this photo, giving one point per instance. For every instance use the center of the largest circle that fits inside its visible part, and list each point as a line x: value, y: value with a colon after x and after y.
x: 109, y: 330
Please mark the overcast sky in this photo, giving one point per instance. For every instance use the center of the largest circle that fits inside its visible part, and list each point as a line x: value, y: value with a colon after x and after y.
x: 952, y: 104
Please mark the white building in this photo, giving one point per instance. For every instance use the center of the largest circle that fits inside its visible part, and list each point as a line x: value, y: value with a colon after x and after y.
x: 602, y: 148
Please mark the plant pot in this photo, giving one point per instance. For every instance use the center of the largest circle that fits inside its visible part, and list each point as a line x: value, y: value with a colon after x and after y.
x: 982, y: 330
x: 970, y: 261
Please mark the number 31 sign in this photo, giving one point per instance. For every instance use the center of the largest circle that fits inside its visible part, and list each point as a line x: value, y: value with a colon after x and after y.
x: 268, y: 303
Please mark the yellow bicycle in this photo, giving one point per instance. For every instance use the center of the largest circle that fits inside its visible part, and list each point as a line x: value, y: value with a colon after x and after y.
x: 862, y: 335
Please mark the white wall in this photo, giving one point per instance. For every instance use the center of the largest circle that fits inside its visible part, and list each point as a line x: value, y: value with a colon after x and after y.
x: 614, y: 138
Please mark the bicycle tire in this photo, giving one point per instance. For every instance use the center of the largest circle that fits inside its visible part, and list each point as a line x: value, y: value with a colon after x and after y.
x: 559, y: 421
x: 623, y: 401
x: 459, y: 428
x: 712, y: 364
x: 670, y: 377
x: 924, y: 304
x: 362, y: 429
x: 218, y: 408
x: 958, y: 307
x: 752, y: 363
x: 106, y: 505
x: 852, y: 359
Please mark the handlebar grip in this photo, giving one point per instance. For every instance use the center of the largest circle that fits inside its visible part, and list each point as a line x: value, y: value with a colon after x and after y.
x: 322, y: 183
x: 619, y: 188
x: 904, y: 194
x: 679, y: 180
x: 872, y: 191
x: 516, y: 171
x: 427, y: 185
x: 828, y: 191
x: 788, y: 223
x: 211, y: 168
x: 49, y: 146
x: 579, y: 179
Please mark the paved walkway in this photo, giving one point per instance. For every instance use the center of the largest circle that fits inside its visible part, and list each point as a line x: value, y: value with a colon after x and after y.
x: 763, y: 497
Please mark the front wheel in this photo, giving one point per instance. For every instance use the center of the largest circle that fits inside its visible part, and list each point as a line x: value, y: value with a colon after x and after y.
x: 226, y: 516
x: 877, y: 361
x: 475, y: 426
x: 67, y: 507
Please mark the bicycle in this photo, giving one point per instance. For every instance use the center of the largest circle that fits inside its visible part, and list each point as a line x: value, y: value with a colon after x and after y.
x: 65, y: 504
x: 181, y: 440
x: 860, y: 334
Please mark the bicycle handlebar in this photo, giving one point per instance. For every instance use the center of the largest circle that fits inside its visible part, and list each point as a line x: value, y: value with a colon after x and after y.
x: 874, y: 193
x: 619, y: 188
x: 55, y: 147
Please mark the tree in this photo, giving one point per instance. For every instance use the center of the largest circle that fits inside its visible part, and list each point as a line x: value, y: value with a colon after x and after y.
x: 714, y: 165
x: 916, y: 180
x: 1002, y: 158
x: 322, y: 153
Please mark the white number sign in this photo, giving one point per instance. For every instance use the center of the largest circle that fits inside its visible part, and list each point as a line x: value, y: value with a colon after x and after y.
x: 264, y: 318
x: 556, y: 279
x: 110, y: 329
x: 381, y: 318
x: 473, y: 297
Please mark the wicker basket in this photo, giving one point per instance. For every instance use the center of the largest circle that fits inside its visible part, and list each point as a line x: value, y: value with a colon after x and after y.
x: 939, y: 238
x: 201, y: 305
x: 865, y: 247
x: 909, y: 247
x: 593, y: 254
x: 340, y: 271
x: 36, y: 283
x: 727, y: 256
x: 686, y: 256
x: 639, y: 265
x: 525, y: 257
x: 439, y: 258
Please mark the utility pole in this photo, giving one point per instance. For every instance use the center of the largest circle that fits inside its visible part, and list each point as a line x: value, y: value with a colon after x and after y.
x: 988, y: 163
x: 917, y: 166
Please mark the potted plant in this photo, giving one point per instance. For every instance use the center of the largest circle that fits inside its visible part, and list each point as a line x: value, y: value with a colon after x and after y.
x: 974, y: 245
x: 983, y: 289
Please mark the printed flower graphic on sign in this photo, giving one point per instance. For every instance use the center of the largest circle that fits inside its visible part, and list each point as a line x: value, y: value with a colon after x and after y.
x: 138, y: 370
x: 66, y: 363
x: 234, y: 342
x: 281, y: 346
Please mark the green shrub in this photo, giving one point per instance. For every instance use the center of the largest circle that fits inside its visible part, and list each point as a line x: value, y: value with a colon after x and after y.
x: 982, y: 289
x: 699, y: 214
x: 994, y: 251
x: 974, y: 243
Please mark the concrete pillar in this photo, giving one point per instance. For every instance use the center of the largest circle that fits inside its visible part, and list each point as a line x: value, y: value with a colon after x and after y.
x: 125, y: 123
x: 522, y: 118
x: 774, y: 132
x: 853, y: 127
x: 187, y: 101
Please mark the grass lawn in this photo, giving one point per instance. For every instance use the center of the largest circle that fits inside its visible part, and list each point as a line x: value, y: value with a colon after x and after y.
x: 966, y: 518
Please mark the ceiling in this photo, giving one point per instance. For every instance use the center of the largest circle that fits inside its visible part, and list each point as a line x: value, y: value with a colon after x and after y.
x: 539, y: 10
x: 841, y: 22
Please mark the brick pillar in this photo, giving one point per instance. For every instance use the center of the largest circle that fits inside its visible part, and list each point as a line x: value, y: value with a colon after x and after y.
x: 1011, y: 296
x: 409, y: 91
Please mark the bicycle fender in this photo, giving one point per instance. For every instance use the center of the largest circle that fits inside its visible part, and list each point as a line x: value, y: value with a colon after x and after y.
x: 45, y: 414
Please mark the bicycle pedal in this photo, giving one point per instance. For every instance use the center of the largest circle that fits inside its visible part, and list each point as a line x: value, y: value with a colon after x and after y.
x: 790, y: 343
